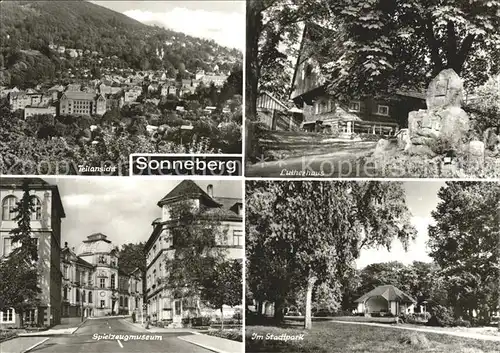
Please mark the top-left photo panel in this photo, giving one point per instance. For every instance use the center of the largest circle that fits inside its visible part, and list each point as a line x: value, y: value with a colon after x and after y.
x: 85, y: 84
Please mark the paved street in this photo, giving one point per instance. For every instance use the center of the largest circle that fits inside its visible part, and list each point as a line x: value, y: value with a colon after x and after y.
x: 83, y: 340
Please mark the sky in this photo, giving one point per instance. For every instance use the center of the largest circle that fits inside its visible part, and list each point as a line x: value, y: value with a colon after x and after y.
x: 422, y: 199
x: 223, y: 21
x: 121, y: 208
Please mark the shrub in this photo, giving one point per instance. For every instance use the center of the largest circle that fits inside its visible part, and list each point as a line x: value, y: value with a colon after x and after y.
x: 416, y: 318
x: 201, y: 321
x: 416, y: 340
x: 441, y: 316
x: 462, y: 323
x: 234, y: 335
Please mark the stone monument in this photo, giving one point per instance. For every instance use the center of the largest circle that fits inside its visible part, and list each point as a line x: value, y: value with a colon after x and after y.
x: 444, y: 120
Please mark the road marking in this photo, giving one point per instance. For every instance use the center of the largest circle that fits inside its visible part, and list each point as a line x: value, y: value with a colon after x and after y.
x: 121, y: 345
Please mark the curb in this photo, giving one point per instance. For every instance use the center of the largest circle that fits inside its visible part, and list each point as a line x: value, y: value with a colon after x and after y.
x: 81, y: 324
x: 35, y: 345
x: 210, y: 348
x: 109, y: 317
x: 130, y: 323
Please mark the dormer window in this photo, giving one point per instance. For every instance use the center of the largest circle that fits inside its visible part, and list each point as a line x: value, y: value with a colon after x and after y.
x: 355, y: 106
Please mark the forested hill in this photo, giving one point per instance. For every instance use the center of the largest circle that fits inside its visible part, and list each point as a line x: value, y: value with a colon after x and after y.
x: 29, y: 27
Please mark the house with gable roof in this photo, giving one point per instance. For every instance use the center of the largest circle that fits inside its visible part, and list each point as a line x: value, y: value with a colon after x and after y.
x: 322, y: 112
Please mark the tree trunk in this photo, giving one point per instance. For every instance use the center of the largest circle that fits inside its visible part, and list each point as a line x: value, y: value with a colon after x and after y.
x: 278, y: 310
x: 254, y: 28
x: 308, y: 314
x: 222, y: 318
x: 259, y: 307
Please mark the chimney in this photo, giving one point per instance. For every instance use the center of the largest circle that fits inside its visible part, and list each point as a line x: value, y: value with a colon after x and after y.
x: 65, y: 244
x: 210, y: 190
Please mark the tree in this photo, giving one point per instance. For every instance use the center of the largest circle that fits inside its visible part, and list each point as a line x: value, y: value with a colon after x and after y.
x: 303, y: 235
x: 132, y: 256
x: 224, y: 286
x: 195, y: 238
x: 418, y: 279
x: 19, y: 271
x: 268, y: 24
x: 96, y: 72
x: 463, y: 243
x: 389, y: 44
x: 22, y: 234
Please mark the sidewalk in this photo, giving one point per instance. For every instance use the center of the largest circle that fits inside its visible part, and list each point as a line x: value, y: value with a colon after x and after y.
x: 21, y: 344
x: 154, y: 329
x: 67, y: 327
x: 216, y: 344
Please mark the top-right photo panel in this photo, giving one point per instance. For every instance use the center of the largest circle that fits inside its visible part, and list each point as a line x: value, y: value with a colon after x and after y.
x: 373, y: 88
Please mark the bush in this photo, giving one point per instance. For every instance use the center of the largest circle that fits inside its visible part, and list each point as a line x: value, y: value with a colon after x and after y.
x: 416, y: 318
x: 416, y: 340
x: 441, y: 316
x: 234, y: 335
x: 462, y: 323
x: 200, y: 321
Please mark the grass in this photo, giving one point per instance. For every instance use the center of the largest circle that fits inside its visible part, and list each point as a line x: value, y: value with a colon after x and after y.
x: 329, y: 337
x: 230, y: 334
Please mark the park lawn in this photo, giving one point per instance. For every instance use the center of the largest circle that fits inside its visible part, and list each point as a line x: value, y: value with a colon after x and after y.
x: 330, y: 337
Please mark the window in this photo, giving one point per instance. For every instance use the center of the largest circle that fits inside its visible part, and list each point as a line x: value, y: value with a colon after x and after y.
x: 238, y: 237
x: 355, y: 107
x: 113, y: 282
x: 65, y: 271
x: 121, y: 301
x: 7, y: 316
x: 77, y: 295
x: 383, y: 110
x: 36, y: 215
x: 125, y: 302
x: 7, y: 246
x: 102, y: 282
x: 90, y: 278
x: 102, y: 303
x: 90, y: 297
x: 83, y: 296
x: 8, y: 205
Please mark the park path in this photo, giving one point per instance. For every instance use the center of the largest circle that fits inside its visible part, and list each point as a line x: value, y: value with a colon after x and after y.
x: 462, y: 334
x: 341, y: 162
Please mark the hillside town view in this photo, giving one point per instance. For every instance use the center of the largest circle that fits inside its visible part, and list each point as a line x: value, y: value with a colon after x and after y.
x: 68, y: 272
x: 107, y: 86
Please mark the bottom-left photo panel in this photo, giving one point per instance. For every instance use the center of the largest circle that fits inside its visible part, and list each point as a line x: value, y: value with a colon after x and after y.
x: 116, y: 264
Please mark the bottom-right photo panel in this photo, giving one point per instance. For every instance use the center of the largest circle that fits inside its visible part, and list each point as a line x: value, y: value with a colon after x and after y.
x: 372, y: 266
